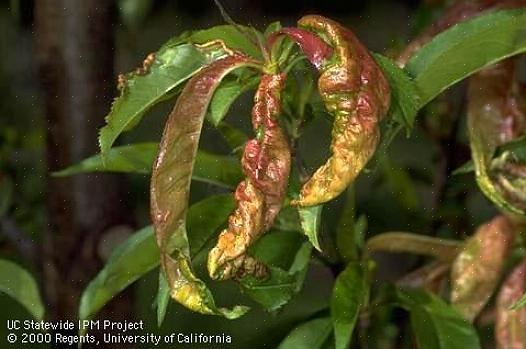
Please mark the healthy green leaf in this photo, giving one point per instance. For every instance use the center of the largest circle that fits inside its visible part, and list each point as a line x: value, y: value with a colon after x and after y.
x: 233, y: 136
x: 131, y: 260
x: 310, y: 218
x: 466, y: 48
x: 348, y: 296
x: 227, y: 92
x: 163, y: 298
x: 308, y: 335
x: 140, y: 254
x: 288, y: 255
x: 345, y: 230
x: 435, y: 324
x: 405, y: 100
x: 273, y: 292
x: 20, y: 285
x: 219, y: 170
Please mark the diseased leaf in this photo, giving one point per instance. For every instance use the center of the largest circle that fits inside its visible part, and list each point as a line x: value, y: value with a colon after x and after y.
x: 435, y: 324
x: 310, y: 218
x: 348, y: 296
x: 20, y: 285
x: 510, y: 324
x: 414, y: 243
x: 308, y: 335
x: 520, y: 303
x: 465, y: 48
x: 235, y: 38
x: 170, y: 186
x: 161, y: 74
x: 494, y: 118
x: 139, y: 254
x: 477, y: 269
x: 227, y: 92
x: 210, y: 168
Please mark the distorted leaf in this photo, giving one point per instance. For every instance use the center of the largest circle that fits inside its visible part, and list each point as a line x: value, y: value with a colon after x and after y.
x: 161, y: 74
x: 510, y: 324
x: 236, y: 37
x: 477, y: 269
x: 308, y: 335
x: 495, y: 119
x: 170, y: 186
x: 20, y: 285
x: 348, y: 296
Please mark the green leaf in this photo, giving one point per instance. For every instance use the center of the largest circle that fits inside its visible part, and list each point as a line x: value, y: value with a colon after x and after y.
x: 348, y: 295
x: 227, y: 92
x: 172, y: 66
x: 405, y: 99
x: 20, y: 285
x: 273, y: 292
x: 210, y: 168
x: 235, y: 37
x: 435, y: 324
x: 345, y: 230
x: 163, y: 298
x: 233, y: 136
x: 308, y: 335
x: 465, y: 48
x: 139, y: 254
x: 288, y: 255
x: 272, y: 28
x: 131, y: 260
x: 310, y: 218
x: 520, y: 303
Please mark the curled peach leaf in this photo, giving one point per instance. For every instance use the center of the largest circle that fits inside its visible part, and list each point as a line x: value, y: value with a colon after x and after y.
x: 355, y: 91
x: 170, y: 186
x: 477, y: 269
x: 510, y: 324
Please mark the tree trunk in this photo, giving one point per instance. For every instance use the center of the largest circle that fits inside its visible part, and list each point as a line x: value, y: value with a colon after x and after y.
x: 75, y: 47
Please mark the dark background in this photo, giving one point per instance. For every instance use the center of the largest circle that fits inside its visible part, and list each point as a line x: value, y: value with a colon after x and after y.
x: 60, y: 59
